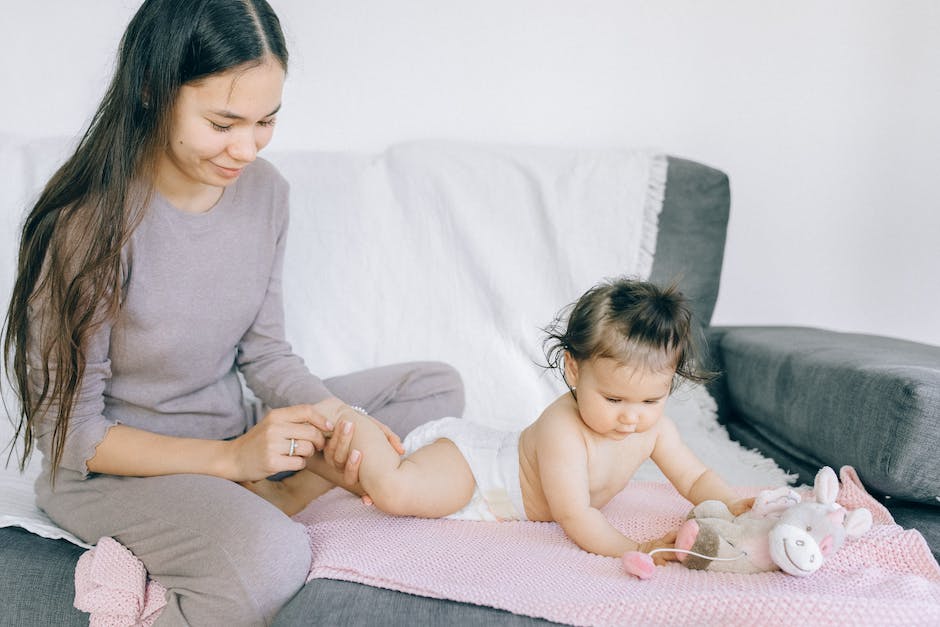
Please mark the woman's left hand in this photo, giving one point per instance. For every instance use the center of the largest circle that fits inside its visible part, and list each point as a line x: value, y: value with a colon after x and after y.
x: 338, y: 451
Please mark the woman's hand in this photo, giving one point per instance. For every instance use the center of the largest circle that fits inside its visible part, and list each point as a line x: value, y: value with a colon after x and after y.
x: 338, y: 451
x: 267, y: 448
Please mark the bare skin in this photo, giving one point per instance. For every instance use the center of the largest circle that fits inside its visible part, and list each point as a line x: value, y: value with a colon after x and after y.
x: 335, y: 458
x: 573, y: 459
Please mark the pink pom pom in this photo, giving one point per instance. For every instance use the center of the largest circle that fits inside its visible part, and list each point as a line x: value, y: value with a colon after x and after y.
x: 638, y: 564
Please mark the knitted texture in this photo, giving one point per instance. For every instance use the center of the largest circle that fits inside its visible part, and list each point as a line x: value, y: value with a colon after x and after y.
x: 886, y: 577
x: 112, y: 585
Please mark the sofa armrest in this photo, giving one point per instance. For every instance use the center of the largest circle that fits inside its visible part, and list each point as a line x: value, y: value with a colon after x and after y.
x: 816, y: 397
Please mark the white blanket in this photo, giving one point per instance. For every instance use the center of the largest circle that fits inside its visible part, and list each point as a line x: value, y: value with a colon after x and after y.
x: 444, y: 251
x: 460, y: 253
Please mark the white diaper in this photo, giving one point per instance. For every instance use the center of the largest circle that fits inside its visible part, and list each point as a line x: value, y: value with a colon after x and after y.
x: 493, y: 456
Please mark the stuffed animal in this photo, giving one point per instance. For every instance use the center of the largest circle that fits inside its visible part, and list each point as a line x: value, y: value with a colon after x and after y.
x: 781, y: 532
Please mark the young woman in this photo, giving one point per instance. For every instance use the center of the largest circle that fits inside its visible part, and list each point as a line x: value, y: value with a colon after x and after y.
x: 149, y: 282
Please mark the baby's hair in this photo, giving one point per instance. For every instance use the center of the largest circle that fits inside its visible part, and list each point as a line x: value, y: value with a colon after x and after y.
x: 634, y: 322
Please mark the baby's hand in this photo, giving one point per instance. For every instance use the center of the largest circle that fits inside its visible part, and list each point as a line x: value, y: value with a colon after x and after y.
x: 740, y: 506
x: 668, y: 541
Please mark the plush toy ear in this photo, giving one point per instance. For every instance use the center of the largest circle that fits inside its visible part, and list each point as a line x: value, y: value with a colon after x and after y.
x: 826, y: 486
x: 857, y: 522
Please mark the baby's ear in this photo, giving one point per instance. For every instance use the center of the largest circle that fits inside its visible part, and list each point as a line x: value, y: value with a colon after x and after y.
x: 571, y: 370
x: 858, y: 522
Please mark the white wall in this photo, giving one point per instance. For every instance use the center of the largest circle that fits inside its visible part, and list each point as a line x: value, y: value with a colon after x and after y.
x: 824, y: 114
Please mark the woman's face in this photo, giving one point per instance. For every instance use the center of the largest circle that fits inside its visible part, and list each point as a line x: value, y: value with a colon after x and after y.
x: 218, y: 125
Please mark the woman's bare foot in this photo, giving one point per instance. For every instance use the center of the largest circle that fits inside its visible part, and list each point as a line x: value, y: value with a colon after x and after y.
x: 278, y: 494
x: 292, y: 494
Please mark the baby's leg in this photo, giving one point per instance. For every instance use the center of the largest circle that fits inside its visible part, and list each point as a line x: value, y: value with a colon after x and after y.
x: 432, y: 482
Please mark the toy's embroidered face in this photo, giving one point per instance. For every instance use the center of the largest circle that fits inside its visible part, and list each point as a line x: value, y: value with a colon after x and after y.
x: 795, y: 551
x: 805, y: 536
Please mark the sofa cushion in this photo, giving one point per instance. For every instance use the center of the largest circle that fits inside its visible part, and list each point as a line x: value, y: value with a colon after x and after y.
x: 840, y: 398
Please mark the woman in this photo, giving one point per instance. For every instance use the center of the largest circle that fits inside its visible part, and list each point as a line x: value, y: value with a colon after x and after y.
x: 148, y: 285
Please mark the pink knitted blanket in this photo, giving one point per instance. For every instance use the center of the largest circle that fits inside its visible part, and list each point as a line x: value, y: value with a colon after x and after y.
x: 112, y: 585
x: 886, y: 577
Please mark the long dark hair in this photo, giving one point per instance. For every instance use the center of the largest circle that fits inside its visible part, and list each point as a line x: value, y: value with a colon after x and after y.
x: 71, y: 242
x: 636, y: 323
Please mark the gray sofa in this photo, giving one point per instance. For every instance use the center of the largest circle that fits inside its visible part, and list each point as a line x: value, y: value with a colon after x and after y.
x: 805, y: 397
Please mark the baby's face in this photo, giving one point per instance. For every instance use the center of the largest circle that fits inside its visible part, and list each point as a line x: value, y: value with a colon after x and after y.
x: 616, y: 400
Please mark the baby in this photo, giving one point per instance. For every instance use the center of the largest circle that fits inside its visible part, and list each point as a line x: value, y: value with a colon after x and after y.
x: 622, y: 350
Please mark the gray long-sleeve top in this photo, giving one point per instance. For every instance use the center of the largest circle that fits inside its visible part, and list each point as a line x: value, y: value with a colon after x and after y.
x: 202, y: 301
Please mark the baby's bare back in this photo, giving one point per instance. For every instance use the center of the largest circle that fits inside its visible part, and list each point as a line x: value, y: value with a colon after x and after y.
x: 607, y: 464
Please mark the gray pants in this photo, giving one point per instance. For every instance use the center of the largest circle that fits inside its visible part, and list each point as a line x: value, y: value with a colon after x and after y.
x: 226, y: 556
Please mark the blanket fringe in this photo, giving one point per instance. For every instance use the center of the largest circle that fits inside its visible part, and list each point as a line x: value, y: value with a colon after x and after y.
x: 652, y: 207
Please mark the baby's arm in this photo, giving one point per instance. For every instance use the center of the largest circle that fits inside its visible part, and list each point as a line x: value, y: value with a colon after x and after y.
x: 691, y: 478
x: 563, y: 471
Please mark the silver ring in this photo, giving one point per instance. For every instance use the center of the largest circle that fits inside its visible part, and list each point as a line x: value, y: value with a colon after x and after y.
x: 293, y: 446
